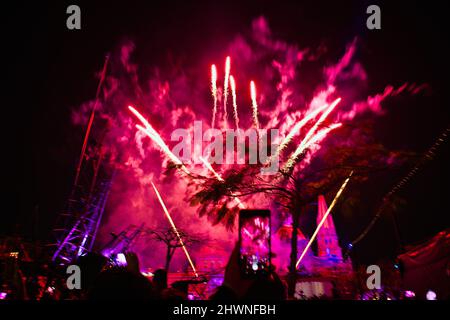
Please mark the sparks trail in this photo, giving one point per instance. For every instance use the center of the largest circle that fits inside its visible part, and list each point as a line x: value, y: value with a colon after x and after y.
x: 322, y: 134
x: 175, y: 229
x: 233, y: 93
x: 254, y: 104
x: 313, y: 237
x: 164, y: 148
x: 304, y: 144
x: 153, y: 134
x: 144, y: 121
x: 225, y: 88
x: 214, y: 93
x: 285, y: 142
x: 298, y: 126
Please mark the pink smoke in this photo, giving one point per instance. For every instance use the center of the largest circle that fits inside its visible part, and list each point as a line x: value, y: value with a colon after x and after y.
x: 174, y: 100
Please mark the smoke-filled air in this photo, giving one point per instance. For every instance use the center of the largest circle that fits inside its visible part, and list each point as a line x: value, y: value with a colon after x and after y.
x: 256, y: 82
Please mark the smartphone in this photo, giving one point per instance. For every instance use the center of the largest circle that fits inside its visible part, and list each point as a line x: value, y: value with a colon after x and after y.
x: 254, y: 242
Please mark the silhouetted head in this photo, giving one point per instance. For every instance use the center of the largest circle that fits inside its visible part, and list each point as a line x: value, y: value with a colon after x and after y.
x: 91, y: 264
x: 266, y: 289
x: 120, y: 284
x: 160, y: 279
x: 178, y: 291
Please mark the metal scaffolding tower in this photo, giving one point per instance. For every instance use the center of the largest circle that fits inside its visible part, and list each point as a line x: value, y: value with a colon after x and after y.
x: 77, y: 226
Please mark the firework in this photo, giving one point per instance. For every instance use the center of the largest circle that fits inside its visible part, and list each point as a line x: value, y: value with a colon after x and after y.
x: 153, y: 134
x: 303, y: 145
x: 254, y: 104
x: 143, y: 120
x: 320, y: 121
x: 338, y: 194
x: 210, y: 168
x: 233, y: 93
x: 225, y: 88
x: 174, y: 229
x: 214, y: 92
x: 298, y: 126
x: 157, y: 139
x: 321, y: 134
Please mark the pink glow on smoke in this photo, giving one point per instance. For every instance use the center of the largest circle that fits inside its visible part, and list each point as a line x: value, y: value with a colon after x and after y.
x: 174, y: 100
x: 374, y: 103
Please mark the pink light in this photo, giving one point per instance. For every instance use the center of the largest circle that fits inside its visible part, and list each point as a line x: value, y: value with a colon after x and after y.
x: 254, y: 104
x: 163, y: 147
x: 233, y: 93
x: 338, y: 194
x: 320, y: 121
x: 300, y: 125
x: 152, y: 134
x: 141, y: 118
x: 175, y: 229
x: 303, y: 145
x: 225, y: 87
x: 322, y: 134
x: 214, y: 92
x: 247, y: 232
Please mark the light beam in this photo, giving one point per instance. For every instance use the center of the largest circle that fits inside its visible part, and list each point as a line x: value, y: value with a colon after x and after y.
x: 175, y: 229
x: 338, y: 194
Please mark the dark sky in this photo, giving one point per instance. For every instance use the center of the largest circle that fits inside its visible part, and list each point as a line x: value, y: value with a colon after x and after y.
x: 50, y: 70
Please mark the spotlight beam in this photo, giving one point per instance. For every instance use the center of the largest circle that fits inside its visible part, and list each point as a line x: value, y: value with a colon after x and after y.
x: 183, y: 246
x: 338, y: 194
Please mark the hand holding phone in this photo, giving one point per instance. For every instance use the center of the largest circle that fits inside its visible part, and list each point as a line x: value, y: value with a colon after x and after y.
x: 254, y: 242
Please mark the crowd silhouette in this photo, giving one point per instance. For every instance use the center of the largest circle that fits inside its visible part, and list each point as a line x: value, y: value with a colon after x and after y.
x: 103, y: 281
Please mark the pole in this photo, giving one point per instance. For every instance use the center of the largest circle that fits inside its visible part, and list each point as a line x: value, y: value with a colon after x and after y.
x: 91, y: 120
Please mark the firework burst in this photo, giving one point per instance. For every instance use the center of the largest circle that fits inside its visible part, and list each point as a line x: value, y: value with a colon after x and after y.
x: 304, y: 144
x: 214, y: 93
x: 254, y: 104
x: 233, y: 93
x: 225, y: 88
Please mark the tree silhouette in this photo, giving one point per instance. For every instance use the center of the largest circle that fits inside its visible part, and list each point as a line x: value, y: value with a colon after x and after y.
x: 171, y: 240
x: 350, y: 149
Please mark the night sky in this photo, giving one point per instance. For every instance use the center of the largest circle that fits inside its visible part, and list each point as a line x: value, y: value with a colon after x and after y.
x: 50, y: 70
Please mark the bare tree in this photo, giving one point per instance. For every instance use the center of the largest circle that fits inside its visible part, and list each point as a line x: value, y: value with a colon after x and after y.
x: 171, y: 240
